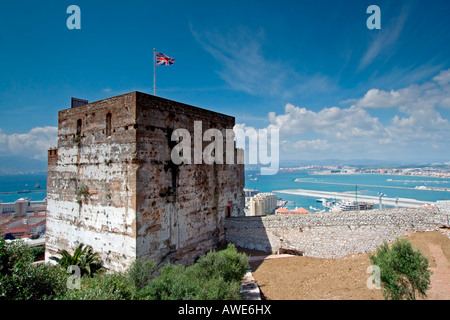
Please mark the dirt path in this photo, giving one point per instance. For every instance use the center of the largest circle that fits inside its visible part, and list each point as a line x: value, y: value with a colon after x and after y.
x: 302, y: 278
x: 440, y: 279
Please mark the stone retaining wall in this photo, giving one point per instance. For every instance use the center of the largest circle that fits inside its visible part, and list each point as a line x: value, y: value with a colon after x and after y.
x: 331, y: 235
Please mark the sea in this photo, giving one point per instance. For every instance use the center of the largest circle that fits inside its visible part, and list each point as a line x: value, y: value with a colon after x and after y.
x: 391, y: 186
x: 16, y: 186
x: 33, y: 186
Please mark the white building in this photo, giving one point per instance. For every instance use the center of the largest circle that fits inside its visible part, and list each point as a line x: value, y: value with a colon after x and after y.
x: 23, y: 207
x: 262, y: 204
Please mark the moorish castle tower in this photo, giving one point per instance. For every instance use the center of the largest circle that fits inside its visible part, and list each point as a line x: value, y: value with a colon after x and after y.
x: 112, y: 184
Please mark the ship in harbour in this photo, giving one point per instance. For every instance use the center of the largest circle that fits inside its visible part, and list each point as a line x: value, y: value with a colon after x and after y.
x: 347, y: 205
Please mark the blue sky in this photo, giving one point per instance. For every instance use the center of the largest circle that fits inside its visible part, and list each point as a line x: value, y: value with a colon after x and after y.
x: 311, y: 69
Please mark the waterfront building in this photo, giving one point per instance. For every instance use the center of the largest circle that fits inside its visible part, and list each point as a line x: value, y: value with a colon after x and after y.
x: 250, y: 192
x: 23, y: 207
x: 262, y: 204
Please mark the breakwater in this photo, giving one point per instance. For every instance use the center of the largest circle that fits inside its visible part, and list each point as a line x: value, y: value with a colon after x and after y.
x: 375, y: 186
x: 400, y: 202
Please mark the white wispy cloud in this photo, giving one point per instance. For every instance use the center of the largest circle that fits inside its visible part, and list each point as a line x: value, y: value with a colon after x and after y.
x: 385, y: 40
x: 245, y: 67
x: 33, y: 144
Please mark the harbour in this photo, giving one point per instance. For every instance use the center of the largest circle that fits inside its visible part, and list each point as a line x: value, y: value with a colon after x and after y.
x: 411, y: 191
x: 394, y: 202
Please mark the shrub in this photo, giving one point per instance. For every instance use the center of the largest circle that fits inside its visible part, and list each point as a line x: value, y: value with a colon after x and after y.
x: 37, y: 252
x: 216, y: 276
x: 21, y: 280
x: 228, y: 264
x: 403, y: 270
x: 140, y: 273
x: 101, y: 287
x: 173, y: 283
x: 177, y: 282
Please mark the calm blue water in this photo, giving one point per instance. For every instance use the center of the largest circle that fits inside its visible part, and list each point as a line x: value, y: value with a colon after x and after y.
x: 9, y: 183
x: 280, y: 181
x: 377, y: 183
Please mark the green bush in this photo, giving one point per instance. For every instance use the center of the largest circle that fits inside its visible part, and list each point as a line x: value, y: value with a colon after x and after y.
x: 403, y: 270
x: 101, y: 287
x: 37, y: 252
x: 21, y: 280
x: 140, y: 273
x: 177, y: 282
x: 173, y: 283
x: 228, y: 264
x: 216, y: 276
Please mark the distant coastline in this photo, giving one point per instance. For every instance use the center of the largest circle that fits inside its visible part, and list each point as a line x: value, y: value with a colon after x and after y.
x: 21, y: 172
x: 398, y: 174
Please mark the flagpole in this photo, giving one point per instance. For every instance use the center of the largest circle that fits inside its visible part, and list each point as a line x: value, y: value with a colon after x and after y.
x: 154, y: 71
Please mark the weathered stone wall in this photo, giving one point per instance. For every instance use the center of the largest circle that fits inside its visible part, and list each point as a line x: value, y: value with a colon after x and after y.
x: 92, y: 187
x: 330, y: 235
x: 114, y: 186
x: 181, y: 208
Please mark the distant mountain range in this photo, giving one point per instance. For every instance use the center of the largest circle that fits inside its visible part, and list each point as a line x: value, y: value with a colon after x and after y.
x: 12, y: 164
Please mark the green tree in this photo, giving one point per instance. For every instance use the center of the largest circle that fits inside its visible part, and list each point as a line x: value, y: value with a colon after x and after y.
x: 404, y: 272
x: 21, y: 280
x: 85, y: 258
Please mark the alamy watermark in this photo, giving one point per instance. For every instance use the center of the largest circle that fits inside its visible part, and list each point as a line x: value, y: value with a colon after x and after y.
x: 74, y: 20
x: 223, y: 144
x: 374, y: 21
x: 374, y: 281
x: 73, y: 281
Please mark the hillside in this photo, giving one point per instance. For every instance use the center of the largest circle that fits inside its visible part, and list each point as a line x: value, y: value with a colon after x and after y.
x: 302, y: 278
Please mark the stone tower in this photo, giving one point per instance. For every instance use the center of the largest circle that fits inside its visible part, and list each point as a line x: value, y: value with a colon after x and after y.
x: 112, y: 183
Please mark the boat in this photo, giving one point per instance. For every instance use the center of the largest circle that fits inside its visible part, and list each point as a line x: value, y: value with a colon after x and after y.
x: 281, y: 204
x: 328, y: 203
x: 347, y: 205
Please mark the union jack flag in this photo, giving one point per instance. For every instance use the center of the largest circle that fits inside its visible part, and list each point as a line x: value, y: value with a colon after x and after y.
x: 162, y: 59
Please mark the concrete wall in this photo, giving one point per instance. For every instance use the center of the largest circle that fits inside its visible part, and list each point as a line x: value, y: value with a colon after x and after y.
x: 330, y: 235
